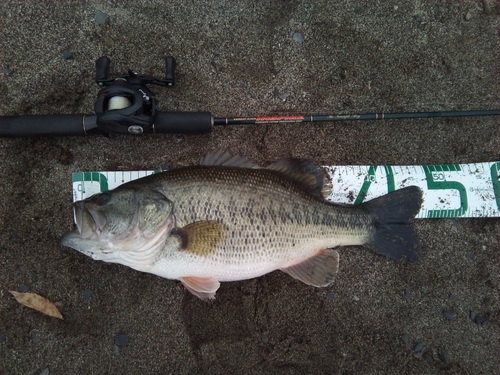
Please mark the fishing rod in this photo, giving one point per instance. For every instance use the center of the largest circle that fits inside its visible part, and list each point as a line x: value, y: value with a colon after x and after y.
x: 125, y: 105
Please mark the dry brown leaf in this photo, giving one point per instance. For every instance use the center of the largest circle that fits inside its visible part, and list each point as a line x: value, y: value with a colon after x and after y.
x: 37, y: 302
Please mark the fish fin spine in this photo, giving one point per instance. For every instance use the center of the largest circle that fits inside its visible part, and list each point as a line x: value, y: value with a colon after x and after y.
x: 224, y: 158
x: 307, y: 173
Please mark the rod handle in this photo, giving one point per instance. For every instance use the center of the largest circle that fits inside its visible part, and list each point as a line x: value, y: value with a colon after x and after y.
x: 183, y: 122
x: 47, y: 125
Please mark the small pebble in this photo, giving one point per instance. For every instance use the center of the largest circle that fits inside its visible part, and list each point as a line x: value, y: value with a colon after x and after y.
x: 298, y: 37
x: 7, y: 71
x: 469, y: 254
x: 121, y: 340
x: 45, y: 371
x: 407, y: 293
x: 417, y: 18
x: 356, y: 298
x: 2, y: 338
x: 396, y: 7
x: 472, y: 315
x: 448, y: 315
x: 405, y: 338
x: 67, y: 55
x: 480, y: 319
x: 24, y: 288
x: 451, y: 297
x: 35, y: 339
x: 116, y: 350
x: 418, y: 348
x: 330, y: 296
x: 418, y: 355
x: 468, y: 16
x: 445, y: 357
x: 486, y: 323
x: 180, y: 139
x: 428, y: 357
x: 276, y: 92
x: 100, y: 17
x: 87, y: 293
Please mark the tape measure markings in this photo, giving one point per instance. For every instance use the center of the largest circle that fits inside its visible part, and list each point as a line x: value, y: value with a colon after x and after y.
x: 450, y: 191
x: 455, y: 190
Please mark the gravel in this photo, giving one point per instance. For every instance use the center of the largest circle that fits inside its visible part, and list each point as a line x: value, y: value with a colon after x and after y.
x: 121, y: 340
x: 448, y: 315
x: 418, y: 347
x: 100, y: 17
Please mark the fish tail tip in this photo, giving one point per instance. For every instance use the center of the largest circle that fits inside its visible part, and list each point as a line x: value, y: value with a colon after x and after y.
x: 392, y: 213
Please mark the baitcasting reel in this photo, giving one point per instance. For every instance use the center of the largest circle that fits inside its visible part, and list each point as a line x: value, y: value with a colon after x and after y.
x: 125, y: 104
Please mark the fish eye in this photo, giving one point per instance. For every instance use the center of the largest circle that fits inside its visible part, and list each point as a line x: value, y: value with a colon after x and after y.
x: 103, y: 199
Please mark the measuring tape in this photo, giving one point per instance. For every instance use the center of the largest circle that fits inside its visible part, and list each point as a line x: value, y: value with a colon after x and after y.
x: 451, y: 190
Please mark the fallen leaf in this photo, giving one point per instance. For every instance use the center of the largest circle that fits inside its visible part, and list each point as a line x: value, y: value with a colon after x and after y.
x: 37, y: 302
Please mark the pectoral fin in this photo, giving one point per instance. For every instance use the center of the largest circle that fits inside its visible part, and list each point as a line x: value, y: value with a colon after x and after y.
x: 201, y: 287
x: 319, y: 270
x: 201, y: 237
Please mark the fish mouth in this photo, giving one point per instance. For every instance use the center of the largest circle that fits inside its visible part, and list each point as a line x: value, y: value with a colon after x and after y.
x: 89, y: 222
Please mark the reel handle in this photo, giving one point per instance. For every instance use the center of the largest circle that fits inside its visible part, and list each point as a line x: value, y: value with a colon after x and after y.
x: 101, y: 69
x: 170, y: 71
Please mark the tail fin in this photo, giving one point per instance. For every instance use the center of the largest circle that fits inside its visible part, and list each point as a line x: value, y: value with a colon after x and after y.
x: 392, y: 213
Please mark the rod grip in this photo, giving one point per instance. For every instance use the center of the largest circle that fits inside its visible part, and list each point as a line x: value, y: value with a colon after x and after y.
x: 183, y: 122
x: 47, y: 125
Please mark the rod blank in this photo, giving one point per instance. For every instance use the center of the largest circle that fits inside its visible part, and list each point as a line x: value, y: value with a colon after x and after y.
x: 352, y: 117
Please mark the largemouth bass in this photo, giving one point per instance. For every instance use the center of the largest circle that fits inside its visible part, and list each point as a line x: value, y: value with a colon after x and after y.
x: 228, y: 219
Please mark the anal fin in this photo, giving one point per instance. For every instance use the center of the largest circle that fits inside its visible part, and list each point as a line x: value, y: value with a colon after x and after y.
x: 318, y: 270
x: 201, y: 287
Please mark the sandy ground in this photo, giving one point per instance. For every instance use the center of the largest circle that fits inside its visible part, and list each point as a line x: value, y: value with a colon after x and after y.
x: 356, y: 56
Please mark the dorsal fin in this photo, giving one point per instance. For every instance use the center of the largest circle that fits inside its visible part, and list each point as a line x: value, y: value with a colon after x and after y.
x: 308, y: 173
x: 225, y: 159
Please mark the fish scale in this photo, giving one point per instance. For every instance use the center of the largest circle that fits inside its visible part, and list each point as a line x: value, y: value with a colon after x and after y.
x: 287, y: 216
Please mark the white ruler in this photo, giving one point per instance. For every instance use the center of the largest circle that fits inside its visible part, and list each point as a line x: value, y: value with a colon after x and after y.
x: 452, y: 190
